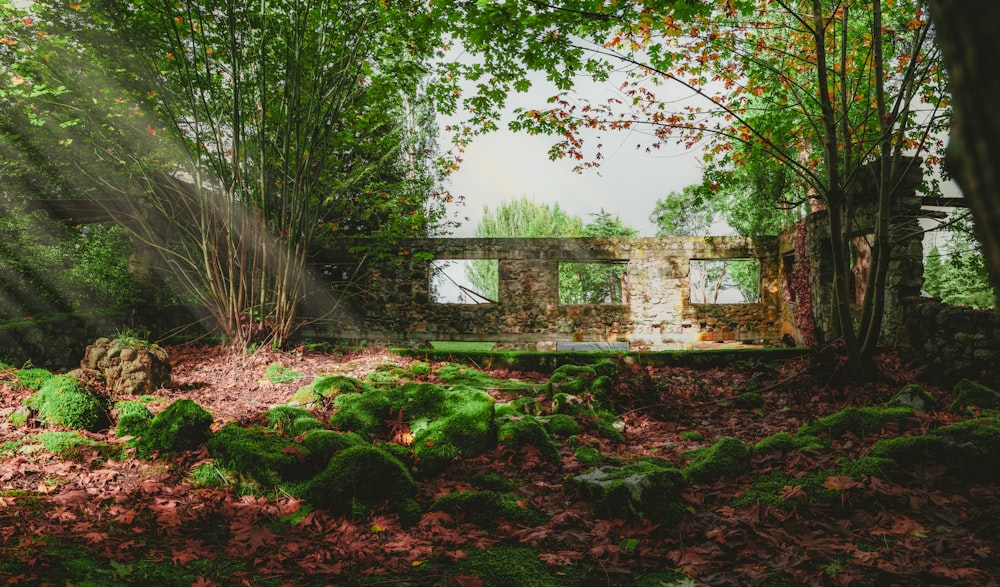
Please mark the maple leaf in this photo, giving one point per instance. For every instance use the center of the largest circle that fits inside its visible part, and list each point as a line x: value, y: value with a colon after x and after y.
x: 841, y: 483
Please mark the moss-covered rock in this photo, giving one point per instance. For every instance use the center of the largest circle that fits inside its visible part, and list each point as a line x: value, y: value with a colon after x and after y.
x: 133, y: 418
x: 528, y: 405
x: 571, y: 405
x: 443, y: 423
x: 728, y: 457
x: 63, y: 400
x: 776, y: 488
x: 610, y: 427
x: 183, y: 425
x: 969, y: 448
x: 323, y: 444
x: 572, y: 380
x: 260, y: 453
x: 968, y: 393
x: 503, y: 566
x: 456, y: 375
x: 324, y: 388
x: 560, y: 425
x: 487, y: 508
x: 859, y: 421
x: 914, y: 397
x: 784, y: 442
x: 292, y: 420
x: 588, y: 455
x: 360, y: 477
x: 518, y: 432
x: 648, y: 488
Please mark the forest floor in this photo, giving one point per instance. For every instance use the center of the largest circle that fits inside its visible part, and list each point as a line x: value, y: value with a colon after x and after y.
x: 82, y: 517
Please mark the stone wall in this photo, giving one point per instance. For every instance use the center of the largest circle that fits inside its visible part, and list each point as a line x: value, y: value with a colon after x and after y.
x: 949, y: 342
x: 657, y: 312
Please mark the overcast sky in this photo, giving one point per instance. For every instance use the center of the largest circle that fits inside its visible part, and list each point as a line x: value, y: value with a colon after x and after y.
x: 504, y: 165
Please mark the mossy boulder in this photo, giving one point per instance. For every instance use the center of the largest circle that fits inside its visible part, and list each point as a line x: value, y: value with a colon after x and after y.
x: 571, y: 405
x: 645, y: 488
x: 292, y: 420
x: 728, y: 457
x: 487, y: 508
x: 133, y: 418
x: 261, y: 454
x: 442, y: 423
x: 62, y: 400
x: 859, y: 421
x: 914, y: 397
x: 772, y: 488
x: 323, y: 389
x: 784, y: 442
x: 968, y: 393
x: 361, y: 477
x: 572, y: 380
x: 181, y: 426
x: 969, y: 448
x: 560, y: 425
x: 518, y: 432
x: 323, y: 444
x: 456, y: 375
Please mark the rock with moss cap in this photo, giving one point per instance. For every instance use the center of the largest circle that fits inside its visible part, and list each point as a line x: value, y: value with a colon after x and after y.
x: 914, y: 397
x: 488, y: 508
x: 645, y: 488
x: 969, y: 448
x: 517, y: 432
x: 181, y: 426
x: 859, y: 421
x: 361, y: 477
x: 63, y: 400
x: 261, y: 454
x: 323, y: 390
x: 969, y: 393
x: 133, y: 418
x: 728, y: 457
x: 292, y: 420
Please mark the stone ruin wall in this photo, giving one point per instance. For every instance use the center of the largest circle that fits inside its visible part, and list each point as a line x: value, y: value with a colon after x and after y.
x: 656, y: 314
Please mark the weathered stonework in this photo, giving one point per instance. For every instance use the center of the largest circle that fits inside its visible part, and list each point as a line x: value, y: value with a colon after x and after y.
x: 657, y: 312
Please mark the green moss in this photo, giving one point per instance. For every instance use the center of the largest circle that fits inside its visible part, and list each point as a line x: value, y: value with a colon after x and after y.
x: 32, y: 377
x: 361, y: 412
x: 859, y: 421
x: 692, y: 435
x: 64, y: 401
x: 420, y: 369
x: 61, y: 442
x: 571, y: 405
x: 360, y: 477
x: 572, y: 380
x: 323, y: 444
x: 324, y: 388
x: 503, y: 566
x: 963, y: 447
x: 277, y: 374
x: 487, y: 508
x: 183, y: 425
x: 969, y: 393
x: 458, y: 424
x: 528, y: 405
x: 454, y: 374
x: 768, y: 489
x: 560, y: 425
x: 588, y: 455
x: 293, y: 420
x: 748, y: 401
x: 260, y: 454
x: 784, y: 442
x: 134, y: 418
x: 610, y: 427
x: 207, y: 475
x: 494, y: 482
x: 526, y: 431
x: 728, y: 457
x: 20, y: 416
x: 646, y: 487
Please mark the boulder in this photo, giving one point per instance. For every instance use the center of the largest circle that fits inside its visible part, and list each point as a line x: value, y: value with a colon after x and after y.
x: 129, y: 367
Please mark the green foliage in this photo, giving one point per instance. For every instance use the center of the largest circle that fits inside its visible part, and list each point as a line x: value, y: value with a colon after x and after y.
x: 63, y: 401
x: 360, y: 477
x: 684, y: 213
x: 487, y: 508
x: 134, y: 418
x: 63, y: 442
x: 728, y: 457
x: 181, y: 426
x: 958, y: 274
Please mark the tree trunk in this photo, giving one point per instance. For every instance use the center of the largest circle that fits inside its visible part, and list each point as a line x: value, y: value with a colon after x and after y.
x: 968, y: 38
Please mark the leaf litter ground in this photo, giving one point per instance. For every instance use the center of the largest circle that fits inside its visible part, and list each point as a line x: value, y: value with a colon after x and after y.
x: 84, y: 518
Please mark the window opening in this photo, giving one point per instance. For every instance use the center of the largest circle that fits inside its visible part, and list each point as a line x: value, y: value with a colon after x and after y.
x: 451, y: 282
x: 593, y: 283
x: 724, y: 281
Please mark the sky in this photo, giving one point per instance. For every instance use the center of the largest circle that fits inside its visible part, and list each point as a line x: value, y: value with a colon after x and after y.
x: 504, y: 165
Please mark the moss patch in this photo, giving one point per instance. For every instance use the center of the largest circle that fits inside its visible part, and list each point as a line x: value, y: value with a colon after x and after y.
x: 517, y: 432
x: 969, y: 448
x: 969, y: 393
x: 728, y: 457
x: 292, y: 420
x: 784, y: 442
x: 503, y: 566
x: 859, y: 421
x: 133, y: 417
x: 324, y: 388
x: 360, y: 477
x: 183, y: 425
x: 63, y: 401
x: 487, y: 508
x: 277, y: 374
x: 32, y: 377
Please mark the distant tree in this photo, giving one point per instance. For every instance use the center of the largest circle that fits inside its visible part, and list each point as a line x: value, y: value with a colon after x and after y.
x: 958, y: 273
x: 519, y: 217
x: 596, y: 283
x: 684, y: 213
